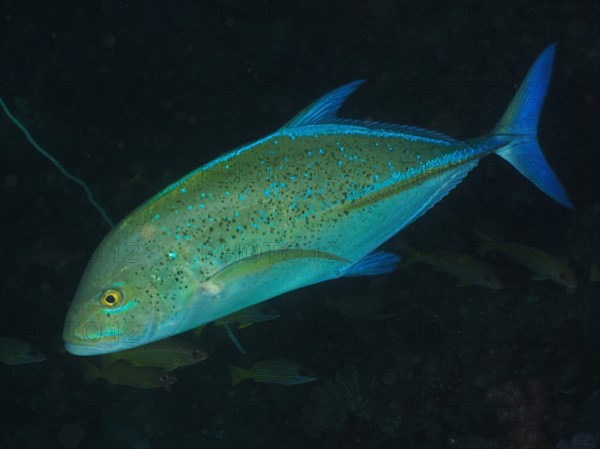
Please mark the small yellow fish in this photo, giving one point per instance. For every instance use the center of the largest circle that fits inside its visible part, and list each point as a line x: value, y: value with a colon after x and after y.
x: 248, y: 316
x: 243, y: 318
x: 276, y: 371
x: 48, y: 256
x: 168, y: 354
x: 17, y: 352
x: 122, y: 373
x: 543, y: 265
x: 133, y: 174
x: 467, y: 269
x: 594, y: 273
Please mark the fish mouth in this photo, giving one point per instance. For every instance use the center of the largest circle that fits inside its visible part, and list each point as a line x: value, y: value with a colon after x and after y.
x: 103, y: 342
x: 88, y: 349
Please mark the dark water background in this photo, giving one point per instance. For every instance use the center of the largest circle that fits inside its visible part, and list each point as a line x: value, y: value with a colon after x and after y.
x: 130, y: 96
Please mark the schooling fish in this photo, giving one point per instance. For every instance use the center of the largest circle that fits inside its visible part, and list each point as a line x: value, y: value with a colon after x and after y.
x: 168, y: 354
x: 308, y: 203
x: 122, y: 373
x: 248, y: 316
x: 543, y: 265
x: 276, y: 371
x: 17, y: 352
x: 243, y: 318
x: 467, y: 269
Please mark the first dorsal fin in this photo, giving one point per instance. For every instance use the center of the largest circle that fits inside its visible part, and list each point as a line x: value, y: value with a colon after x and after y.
x: 324, y: 110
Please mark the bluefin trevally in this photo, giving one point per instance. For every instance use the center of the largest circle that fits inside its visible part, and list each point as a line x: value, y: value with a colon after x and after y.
x: 311, y: 202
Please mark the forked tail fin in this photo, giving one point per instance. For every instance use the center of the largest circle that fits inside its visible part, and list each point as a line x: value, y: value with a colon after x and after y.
x: 519, y: 126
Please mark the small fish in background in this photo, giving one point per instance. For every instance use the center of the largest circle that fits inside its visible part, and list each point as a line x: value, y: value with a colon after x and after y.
x: 467, y: 269
x: 248, y: 316
x: 544, y: 266
x: 48, y: 256
x: 14, y: 351
x: 362, y: 308
x: 168, y: 354
x: 133, y: 174
x: 276, y: 371
x: 122, y: 373
x: 198, y: 331
x: 243, y: 318
x: 594, y: 273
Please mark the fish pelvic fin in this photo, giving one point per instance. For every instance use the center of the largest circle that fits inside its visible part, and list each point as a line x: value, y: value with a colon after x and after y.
x: 518, y: 126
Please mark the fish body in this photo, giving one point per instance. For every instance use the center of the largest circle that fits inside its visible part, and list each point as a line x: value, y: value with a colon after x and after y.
x: 467, y: 269
x: 168, y: 354
x: 309, y: 203
x: 14, y: 351
x: 122, y: 373
x: 276, y: 371
x: 541, y: 263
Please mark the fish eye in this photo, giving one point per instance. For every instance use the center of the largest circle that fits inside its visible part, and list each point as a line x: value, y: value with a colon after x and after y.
x: 303, y: 372
x: 196, y: 353
x: 111, y: 297
x: 167, y: 380
x: 562, y: 275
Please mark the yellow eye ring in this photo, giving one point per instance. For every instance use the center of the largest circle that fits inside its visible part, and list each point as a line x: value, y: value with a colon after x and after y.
x: 111, y: 297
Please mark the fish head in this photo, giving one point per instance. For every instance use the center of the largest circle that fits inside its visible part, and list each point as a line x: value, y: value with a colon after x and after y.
x: 130, y: 295
x: 565, y: 276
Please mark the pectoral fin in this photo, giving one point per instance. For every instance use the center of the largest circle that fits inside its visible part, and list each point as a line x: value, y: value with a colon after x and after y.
x: 262, y: 262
